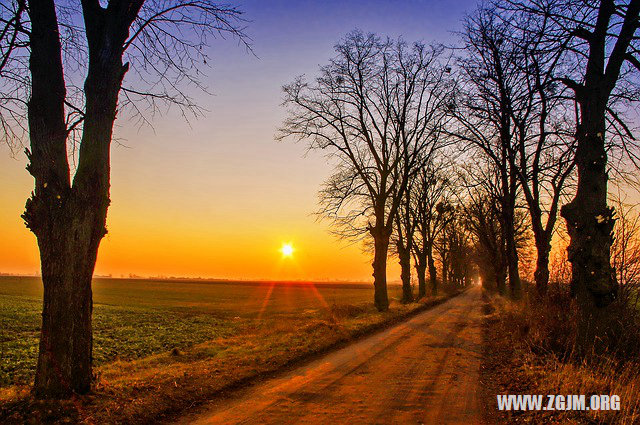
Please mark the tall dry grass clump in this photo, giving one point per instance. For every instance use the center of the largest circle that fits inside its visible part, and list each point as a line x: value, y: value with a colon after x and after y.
x: 542, y: 329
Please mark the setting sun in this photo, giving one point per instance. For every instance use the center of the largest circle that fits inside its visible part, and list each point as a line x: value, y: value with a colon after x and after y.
x: 287, y: 250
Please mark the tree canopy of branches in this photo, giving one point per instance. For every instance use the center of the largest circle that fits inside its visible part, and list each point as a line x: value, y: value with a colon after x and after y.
x: 599, y: 40
x: 481, y: 211
x: 483, y: 116
x: 377, y: 109
x: 162, y: 42
x: 13, y: 71
x: 513, y: 78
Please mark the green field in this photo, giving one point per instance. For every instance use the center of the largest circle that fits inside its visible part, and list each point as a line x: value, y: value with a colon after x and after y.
x: 134, y: 319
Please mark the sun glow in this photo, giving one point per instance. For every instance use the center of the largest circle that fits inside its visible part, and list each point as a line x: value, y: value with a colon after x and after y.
x: 287, y: 250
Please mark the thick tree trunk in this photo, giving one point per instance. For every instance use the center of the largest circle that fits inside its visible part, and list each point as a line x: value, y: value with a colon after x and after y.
x: 433, y: 274
x: 404, y: 255
x: 381, y: 248
x: 590, y: 221
x: 69, y: 219
x: 590, y: 225
x: 68, y: 251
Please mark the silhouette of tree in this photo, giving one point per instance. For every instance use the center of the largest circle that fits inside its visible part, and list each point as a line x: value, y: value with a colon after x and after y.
x: 14, y: 69
x: 377, y: 108
x: 433, y: 209
x: 405, y: 226
x: 483, y: 116
x: 601, y: 44
x: 514, y: 76
x: 161, y: 42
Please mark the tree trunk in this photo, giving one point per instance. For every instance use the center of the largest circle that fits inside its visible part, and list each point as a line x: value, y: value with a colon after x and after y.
x: 404, y: 255
x: 381, y: 247
x: 590, y: 225
x: 501, y: 279
x: 69, y: 219
x: 512, y: 251
x: 445, y: 272
x: 68, y: 251
x: 541, y: 275
x: 421, y: 271
x: 433, y: 274
x: 590, y: 221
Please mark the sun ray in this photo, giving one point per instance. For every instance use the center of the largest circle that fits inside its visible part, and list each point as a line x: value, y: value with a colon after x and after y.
x: 318, y: 295
x: 266, y: 300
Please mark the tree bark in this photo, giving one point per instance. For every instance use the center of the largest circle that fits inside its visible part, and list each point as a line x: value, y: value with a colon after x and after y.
x: 404, y: 255
x: 381, y: 247
x: 69, y: 220
x: 68, y: 251
x: 590, y: 225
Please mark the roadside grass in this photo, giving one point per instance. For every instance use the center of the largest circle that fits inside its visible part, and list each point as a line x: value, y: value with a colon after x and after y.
x: 168, y: 347
x: 528, y: 350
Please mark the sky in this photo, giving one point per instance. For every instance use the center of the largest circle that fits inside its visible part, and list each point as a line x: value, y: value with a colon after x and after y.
x: 217, y: 197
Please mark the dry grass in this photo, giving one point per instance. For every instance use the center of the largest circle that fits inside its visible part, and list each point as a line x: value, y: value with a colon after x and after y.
x: 534, y: 354
x: 157, y: 387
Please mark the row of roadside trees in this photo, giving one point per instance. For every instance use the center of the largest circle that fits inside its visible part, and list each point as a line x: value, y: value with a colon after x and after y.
x: 481, y: 147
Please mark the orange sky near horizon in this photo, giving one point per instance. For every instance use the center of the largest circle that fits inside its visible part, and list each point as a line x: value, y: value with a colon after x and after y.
x: 160, y: 225
x: 200, y: 208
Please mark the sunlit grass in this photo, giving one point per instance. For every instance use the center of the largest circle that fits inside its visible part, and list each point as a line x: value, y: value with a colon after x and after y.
x: 134, y: 319
x: 168, y: 346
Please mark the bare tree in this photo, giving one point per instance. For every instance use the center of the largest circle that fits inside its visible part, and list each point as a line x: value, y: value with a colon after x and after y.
x: 542, y: 116
x: 483, y: 115
x: 482, y: 212
x: 377, y: 109
x: 162, y: 40
x: 14, y: 38
x: 432, y: 205
x: 404, y: 240
x: 482, y: 220
x: 625, y: 251
x: 600, y: 41
x: 454, y: 249
x: 480, y: 204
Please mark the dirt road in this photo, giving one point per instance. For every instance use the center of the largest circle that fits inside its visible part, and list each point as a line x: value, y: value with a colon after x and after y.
x: 423, y: 371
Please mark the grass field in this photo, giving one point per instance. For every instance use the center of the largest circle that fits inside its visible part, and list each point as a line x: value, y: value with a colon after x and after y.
x: 161, y: 346
x: 138, y: 318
